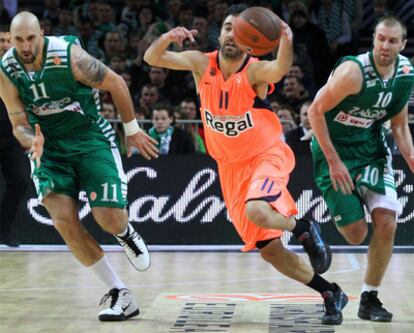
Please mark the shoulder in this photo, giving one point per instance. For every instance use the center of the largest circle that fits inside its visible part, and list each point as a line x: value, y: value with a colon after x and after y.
x: 348, y: 71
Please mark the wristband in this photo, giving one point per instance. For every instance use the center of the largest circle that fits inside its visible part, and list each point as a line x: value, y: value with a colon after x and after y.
x: 131, y: 127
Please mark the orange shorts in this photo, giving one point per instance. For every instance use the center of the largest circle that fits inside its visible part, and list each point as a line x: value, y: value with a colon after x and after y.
x: 264, y: 177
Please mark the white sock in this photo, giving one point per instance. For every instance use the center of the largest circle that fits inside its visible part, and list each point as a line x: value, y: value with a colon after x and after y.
x: 124, y: 233
x: 368, y: 287
x: 105, y: 273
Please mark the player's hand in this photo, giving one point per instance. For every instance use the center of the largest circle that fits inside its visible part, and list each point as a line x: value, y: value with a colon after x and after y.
x: 37, y: 148
x: 147, y: 146
x: 286, y: 31
x: 341, y: 180
x: 179, y: 34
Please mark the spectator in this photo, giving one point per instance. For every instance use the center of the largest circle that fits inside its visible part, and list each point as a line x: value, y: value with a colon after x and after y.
x: 185, y: 17
x: 46, y: 26
x: 171, y: 140
x: 65, y: 26
x: 308, y: 83
x: 173, y: 12
x: 108, y: 111
x: 299, y: 138
x: 372, y: 11
x: 51, y: 11
x: 148, y: 98
x: 146, y: 17
x: 287, y: 117
x: 106, y: 17
x: 312, y: 40
x: 90, y: 37
x: 168, y: 93
x: 188, y: 111
x: 118, y: 64
x: 294, y: 92
x: 336, y: 25
x: 112, y: 46
x: 215, y: 26
x: 87, y: 10
x: 201, y: 25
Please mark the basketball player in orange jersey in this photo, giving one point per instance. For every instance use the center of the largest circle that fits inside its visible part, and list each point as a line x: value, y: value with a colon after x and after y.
x: 244, y: 136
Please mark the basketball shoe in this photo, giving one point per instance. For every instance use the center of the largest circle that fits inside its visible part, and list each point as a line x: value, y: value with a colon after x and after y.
x: 334, y: 302
x: 135, y: 249
x: 370, y: 308
x: 319, y: 252
x: 122, y: 306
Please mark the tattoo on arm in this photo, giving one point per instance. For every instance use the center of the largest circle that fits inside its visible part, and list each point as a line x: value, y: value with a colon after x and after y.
x: 25, y: 135
x: 15, y: 113
x: 93, y: 71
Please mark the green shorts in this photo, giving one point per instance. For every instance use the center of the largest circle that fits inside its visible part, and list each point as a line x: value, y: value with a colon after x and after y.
x: 374, y: 187
x: 67, y: 167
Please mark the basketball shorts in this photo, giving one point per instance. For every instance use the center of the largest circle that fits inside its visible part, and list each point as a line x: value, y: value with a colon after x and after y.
x: 374, y: 188
x: 69, y: 170
x: 262, y: 178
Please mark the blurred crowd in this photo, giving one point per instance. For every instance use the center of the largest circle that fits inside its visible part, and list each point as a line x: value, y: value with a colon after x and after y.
x: 118, y: 33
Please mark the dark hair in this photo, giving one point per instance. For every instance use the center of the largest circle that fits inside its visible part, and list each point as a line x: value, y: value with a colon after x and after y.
x: 163, y: 107
x: 391, y: 21
x: 235, y: 10
x: 4, y: 28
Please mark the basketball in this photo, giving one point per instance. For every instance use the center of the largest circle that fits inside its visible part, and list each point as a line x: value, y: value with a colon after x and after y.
x: 257, y: 30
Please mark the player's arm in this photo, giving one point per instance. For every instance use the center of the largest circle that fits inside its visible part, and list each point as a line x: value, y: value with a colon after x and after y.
x: 273, y: 71
x: 22, y: 130
x: 93, y: 73
x: 402, y: 136
x: 346, y: 80
x: 158, y: 55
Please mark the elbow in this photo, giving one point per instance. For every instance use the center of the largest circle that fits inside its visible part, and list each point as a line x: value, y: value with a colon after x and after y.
x: 149, y: 58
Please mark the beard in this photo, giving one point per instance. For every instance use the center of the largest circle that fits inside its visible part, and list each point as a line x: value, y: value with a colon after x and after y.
x: 28, y: 59
x: 231, y: 51
x: 384, y: 62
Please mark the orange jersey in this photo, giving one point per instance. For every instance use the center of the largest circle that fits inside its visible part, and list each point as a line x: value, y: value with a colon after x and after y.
x: 238, y: 124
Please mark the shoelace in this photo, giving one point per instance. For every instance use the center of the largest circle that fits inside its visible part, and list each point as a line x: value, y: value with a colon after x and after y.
x: 113, y: 294
x: 129, y: 240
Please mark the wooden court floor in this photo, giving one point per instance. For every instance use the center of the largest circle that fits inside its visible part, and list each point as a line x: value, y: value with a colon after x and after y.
x: 226, y: 292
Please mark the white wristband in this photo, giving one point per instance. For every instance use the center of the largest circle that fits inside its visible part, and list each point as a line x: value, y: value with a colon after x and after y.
x: 131, y: 127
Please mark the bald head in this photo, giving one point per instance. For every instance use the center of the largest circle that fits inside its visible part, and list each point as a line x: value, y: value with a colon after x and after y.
x: 25, y: 20
x: 26, y: 36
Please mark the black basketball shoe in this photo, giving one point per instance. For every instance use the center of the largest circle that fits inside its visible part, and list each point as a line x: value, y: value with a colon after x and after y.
x: 334, y: 302
x: 370, y: 308
x: 319, y: 252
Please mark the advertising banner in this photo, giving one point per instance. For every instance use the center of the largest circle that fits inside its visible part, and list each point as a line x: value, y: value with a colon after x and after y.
x: 176, y: 200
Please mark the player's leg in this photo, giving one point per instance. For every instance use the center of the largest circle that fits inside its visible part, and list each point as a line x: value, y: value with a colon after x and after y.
x: 269, y: 205
x: 105, y: 183
x: 292, y: 265
x: 57, y: 189
x: 384, y: 209
x: 64, y: 213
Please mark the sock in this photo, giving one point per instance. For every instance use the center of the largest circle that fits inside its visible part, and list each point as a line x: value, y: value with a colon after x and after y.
x: 300, y: 227
x: 368, y: 287
x: 123, y: 234
x: 319, y: 284
x: 105, y: 273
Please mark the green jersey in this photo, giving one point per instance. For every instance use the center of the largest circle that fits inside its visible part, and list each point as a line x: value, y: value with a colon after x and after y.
x: 62, y: 106
x: 356, y: 124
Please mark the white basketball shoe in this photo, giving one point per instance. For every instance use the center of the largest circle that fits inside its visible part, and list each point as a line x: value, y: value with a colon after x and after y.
x: 135, y: 249
x: 122, y: 306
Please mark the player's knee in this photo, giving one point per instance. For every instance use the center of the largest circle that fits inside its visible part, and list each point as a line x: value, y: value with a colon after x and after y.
x: 256, y: 211
x: 356, y: 233
x: 386, y: 230
x: 112, y: 220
